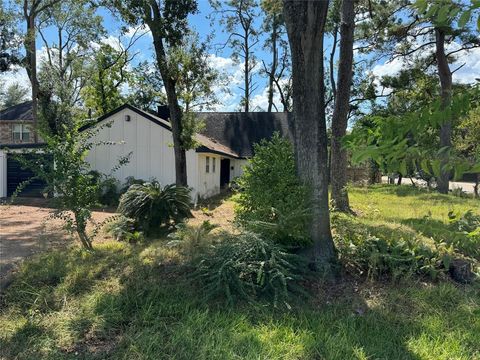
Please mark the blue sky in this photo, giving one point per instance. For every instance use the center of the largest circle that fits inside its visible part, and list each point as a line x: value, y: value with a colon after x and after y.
x: 220, y: 58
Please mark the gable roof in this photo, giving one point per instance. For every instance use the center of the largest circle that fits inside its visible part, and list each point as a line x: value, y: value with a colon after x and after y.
x: 21, y: 111
x: 230, y: 134
x: 239, y: 131
x: 208, y: 144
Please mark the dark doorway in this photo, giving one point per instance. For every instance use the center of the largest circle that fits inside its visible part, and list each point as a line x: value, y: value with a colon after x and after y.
x: 224, y: 172
x: 17, y: 174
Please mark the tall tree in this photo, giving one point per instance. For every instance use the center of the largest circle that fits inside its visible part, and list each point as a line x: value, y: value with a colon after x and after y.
x: 73, y: 27
x: 466, y: 141
x: 14, y: 94
x: 168, y: 23
x: 445, y: 76
x: 9, y: 43
x: 305, y: 22
x: 31, y: 10
x: 278, y: 70
x: 107, y: 73
x: 239, y: 18
x: 342, y: 107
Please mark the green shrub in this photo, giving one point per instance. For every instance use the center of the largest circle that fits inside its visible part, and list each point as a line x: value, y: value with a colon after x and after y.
x: 191, y: 239
x: 467, y: 237
x: 123, y: 228
x: 248, y: 267
x: 108, y: 193
x: 362, y: 252
x: 153, y: 206
x: 129, y: 181
x: 271, y: 194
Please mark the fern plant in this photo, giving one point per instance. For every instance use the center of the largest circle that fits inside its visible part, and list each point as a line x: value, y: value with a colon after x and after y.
x: 248, y: 267
x: 153, y: 206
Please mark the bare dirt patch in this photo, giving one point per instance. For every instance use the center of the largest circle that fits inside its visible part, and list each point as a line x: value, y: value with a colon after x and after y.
x: 28, y: 229
x: 219, y: 211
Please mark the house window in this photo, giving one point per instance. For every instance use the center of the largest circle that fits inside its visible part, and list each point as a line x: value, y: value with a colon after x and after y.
x: 213, y: 165
x: 21, y: 132
x: 207, y: 165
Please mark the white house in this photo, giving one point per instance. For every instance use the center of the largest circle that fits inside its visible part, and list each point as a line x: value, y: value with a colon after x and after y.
x: 225, y: 145
x: 148, y: 140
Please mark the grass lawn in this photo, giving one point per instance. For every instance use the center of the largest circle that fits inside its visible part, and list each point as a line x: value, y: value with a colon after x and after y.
x: 138, y: 302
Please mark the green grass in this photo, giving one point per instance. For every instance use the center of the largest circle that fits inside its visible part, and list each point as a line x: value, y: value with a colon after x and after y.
x: 138, y: 302
x: 407, y: 212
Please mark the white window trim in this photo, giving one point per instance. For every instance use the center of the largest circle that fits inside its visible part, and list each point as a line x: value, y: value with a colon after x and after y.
x: 23, y: 129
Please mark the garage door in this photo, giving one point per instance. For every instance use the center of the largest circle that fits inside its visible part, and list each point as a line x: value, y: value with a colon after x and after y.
x: 17, y: 173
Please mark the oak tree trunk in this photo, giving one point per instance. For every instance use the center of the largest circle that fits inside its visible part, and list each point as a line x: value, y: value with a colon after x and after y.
x: 305, y: 22
x: 475, y: 188
x: 342, y: 108
x: 31, y: 65
x: 173, y: 106
x: 445, y: 77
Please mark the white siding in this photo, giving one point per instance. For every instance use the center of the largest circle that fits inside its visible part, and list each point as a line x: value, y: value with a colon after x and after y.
x: 151, y: 148
x: 238, y: 166
x: 208, y: 183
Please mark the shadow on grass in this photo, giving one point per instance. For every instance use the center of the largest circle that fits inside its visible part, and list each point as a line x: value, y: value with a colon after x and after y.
x: 443, y: 233
x: 140, y: 304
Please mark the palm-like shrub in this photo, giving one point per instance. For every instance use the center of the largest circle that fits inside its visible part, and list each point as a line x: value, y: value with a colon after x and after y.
x: 154, y: 206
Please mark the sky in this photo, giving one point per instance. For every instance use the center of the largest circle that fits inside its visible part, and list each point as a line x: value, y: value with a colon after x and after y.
x: 221, y: 60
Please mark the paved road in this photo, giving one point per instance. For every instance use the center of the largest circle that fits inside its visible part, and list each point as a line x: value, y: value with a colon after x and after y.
x: 465, y: 186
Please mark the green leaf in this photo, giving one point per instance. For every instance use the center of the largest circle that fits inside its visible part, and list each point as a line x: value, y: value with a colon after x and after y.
x: 432, y: 10
x: 425, y: 167
x: 478, y: 23
x: 459, y: 170
x: 442, y: 15
x: 421, y: 5
x: 474, y: 169
x: 403, y: 168
x: 436, y: 167
x: 464, y: 19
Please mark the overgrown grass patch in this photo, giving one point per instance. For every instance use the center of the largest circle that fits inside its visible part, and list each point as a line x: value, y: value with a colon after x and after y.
x: 125, y: 301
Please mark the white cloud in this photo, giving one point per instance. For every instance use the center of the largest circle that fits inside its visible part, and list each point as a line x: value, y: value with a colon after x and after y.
x: 389, y: 68
x: 469, y: 60
x: 136, y: 31
x: 228, y: 100
x: 260, y: 101
x: 17, y: 75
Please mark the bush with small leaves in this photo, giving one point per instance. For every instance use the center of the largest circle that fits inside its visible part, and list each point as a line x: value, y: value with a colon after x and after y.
x: 153, y: 206
x: 248, y: 267
x: 271, y: 199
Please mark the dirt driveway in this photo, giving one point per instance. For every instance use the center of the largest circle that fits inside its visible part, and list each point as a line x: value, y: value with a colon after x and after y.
x: 26, y: 230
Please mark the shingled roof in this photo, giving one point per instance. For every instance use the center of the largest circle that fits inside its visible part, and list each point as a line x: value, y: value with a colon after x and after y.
x: 239, y: 131
x: 229, y: 133
x: 21, y: 111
